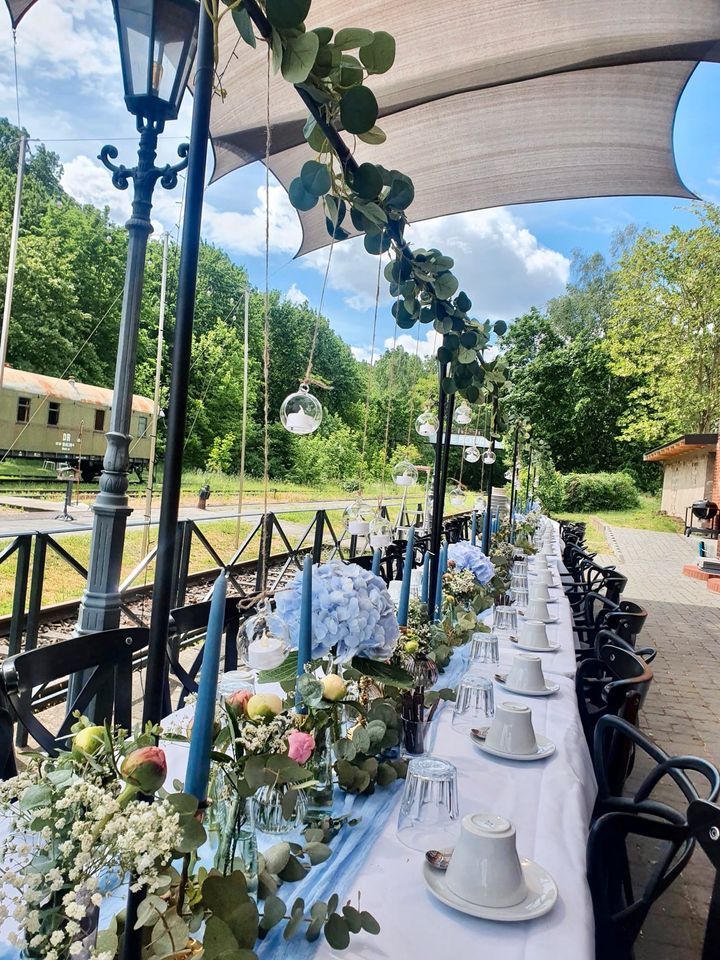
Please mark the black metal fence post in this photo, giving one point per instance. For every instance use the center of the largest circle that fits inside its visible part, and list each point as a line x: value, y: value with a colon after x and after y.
x: 511, y: 532
x: 436, y: 518
x: 22, y: 570
x: 319, y: 536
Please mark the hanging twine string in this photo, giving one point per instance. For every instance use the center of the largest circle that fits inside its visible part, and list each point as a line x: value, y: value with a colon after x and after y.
x: 318, y: 314
x: 370, y: 376
x: 266, y: 318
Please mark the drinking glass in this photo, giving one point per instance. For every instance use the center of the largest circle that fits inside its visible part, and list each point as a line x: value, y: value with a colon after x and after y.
x: 520, y: 568
x: 429, y: 814
x: 484, y: 648
x: 474, y: 703
x: 504, y: 620
x: 520, y: 597
x: 519, y: 580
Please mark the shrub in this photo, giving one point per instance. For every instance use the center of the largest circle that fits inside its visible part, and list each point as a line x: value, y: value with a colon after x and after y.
x: 599, y: 491
x: 551, y: 490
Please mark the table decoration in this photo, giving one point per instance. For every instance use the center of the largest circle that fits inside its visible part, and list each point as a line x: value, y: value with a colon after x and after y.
x: 425, y: 585
x: 406, y: 577
x: 266, y: 638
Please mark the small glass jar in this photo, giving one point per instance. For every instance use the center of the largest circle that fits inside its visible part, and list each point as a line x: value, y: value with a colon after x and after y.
x: 270, y: 817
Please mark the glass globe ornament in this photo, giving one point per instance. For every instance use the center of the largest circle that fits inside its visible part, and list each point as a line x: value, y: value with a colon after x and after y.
x: 301, y: 412
x: 471, y: 454
x: 404, y: 474
x: 427, y: 424
x: 480, y: 505
x: 463, y: 414
x: 266, y: 638
x: 489, y: 457
x: 457, y: 496
x: 381, y: 532
x: 508, y: 475
x: 357, y: 517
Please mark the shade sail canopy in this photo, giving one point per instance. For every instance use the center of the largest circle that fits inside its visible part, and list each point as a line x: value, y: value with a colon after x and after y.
x: 17, y: 9
x: 494, y: 101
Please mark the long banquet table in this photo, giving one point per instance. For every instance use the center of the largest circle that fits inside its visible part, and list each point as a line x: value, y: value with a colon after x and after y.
x: 549, y: 801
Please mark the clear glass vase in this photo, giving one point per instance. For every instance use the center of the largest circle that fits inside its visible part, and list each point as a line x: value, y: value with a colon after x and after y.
x: 320, y: 768
x: 231, y: 831
x: 270, y: 817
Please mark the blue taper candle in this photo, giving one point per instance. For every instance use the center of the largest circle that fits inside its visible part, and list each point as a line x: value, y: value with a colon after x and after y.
x: 198, y: 768
x: 473, y: 534
x: 425, y: 577
x: 377, y: 554
x: 305, y: 636
x: 402, y: 614
x: 442, y: 568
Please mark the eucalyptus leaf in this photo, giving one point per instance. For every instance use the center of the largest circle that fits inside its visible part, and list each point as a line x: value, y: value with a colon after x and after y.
x: 463, y: 302
x: 293, y: 871
x: 386, y: 774
x: 337, y: 932
x: 352, y: 918
x: 332, y: 903
x: 318, y: 852
x: 344, y: 749
x: 218, y: 939
x: 374, y: 136
x: 301, y: 200
x: 243, y: 922
x: 285, y: 14
x: 276, y: 857
x: 379, y: 56
x: 170, y: 934
x: 273, y: 912
x: 445, y: 285
x: 500, y: 327
x: 351, y: 38
x: 360, y: 739
x: 299, y: 57
x: 243, y: 23
x: 401, y: 193
x: 449, y: 386
x: 377, y: 243
x: 369, y: 923
x: 358, y: 110
x: 310, y: 690
x: 367, y: 181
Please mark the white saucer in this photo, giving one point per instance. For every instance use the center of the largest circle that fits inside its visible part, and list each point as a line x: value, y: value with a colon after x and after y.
x: 552, y: 647
x: 541, y: 897
x: 548, y: 620
x: 545, y: 748
x: 550, y: 688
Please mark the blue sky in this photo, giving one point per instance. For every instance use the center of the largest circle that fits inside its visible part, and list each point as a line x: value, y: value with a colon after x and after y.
x: 71, y: 98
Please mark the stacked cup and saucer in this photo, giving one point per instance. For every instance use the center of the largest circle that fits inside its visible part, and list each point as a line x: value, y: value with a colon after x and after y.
x: 533, y: 636
x: 483, y: 876
x: 511, y: 735
x: 526, y: 677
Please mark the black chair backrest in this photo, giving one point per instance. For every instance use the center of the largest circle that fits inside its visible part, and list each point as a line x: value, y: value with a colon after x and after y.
x: 704, y: 821
x: 193, y: 619
x: 106, y: 661
x: 627, y: 620
x: 8, y: 766
x: 620, y: 910
x: 614, y: 683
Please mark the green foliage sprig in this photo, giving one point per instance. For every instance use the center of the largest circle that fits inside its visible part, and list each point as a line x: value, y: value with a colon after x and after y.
x: 332, y: 69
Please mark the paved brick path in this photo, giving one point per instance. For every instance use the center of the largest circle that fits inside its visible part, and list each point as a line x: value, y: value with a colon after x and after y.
x: 682, y: 711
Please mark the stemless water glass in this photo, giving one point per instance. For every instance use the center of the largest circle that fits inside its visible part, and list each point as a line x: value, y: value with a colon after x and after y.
x: 504, y: 620
x: 474, y: 703
x: 484, y: 648
x: 429, y: 814
x: 520, y: 597
x: 520, y: 568
x: 519, y: 580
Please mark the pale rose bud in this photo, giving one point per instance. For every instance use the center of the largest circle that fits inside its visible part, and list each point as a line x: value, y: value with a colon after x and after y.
x: 236, y: 703
x: 89, y: 740
x: 145, y: 769
x: 333, y: 687
x: 300, y: 746
x: 263, y: 706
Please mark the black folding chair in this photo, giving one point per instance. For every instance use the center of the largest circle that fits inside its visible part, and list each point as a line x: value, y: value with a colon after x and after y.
x: 105, y: 659
x: 620, y: 820
x: 192, y: 620
x: 704, y: 821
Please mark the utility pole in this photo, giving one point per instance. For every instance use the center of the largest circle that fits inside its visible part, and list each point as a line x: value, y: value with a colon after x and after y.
x: 156, y: 397
x: 12, y: 259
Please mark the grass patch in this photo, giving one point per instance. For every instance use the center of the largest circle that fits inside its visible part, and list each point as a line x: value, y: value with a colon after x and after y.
x: 646, y: 516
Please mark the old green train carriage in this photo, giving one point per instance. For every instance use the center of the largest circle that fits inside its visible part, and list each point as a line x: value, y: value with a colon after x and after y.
x: 63, y: 421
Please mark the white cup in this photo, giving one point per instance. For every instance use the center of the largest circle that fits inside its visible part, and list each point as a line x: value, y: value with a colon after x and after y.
x: 537, y: 609
x: 539, y: 591
x: 511, y: 730
x: 534, y: 634
x: 545, y: 578
x: 526, y: 673
x: 484, y: 867
x: 540, y: 564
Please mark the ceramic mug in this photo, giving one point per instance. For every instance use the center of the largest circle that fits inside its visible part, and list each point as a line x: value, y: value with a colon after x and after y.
x: 534, y: 634
x: 511, y: 730
x: 539, y: 591
x: 537, y: 610
x: 545, y: 578
x: 484, y: 867
x: 526, y: 673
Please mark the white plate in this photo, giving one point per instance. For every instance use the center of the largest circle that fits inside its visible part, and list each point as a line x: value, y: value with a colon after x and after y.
x: 552, y: 647
x: 548, y: 620
x: 550, y: 688
x: 541, y: 897
x: 545, y: 748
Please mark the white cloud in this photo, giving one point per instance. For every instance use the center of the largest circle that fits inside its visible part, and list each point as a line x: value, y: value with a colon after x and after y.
x: 426, y: 346
x: 500, y: 264
x: 365, y: 354
x: 296, y: 296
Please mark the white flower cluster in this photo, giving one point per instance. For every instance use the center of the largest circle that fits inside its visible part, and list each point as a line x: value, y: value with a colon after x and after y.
x: 267, y: 737
x: 55, y: 854
x: 461, y: 584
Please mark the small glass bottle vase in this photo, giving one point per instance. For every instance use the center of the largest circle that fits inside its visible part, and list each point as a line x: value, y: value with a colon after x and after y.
x: 231, y: 832
x: 320, y: 767
x: 276, y: 811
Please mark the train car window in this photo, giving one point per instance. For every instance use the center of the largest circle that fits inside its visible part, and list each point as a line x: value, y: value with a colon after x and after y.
x: 142, y: 426
x: 23, y: 410
x: 99, y: 419
x: 53, y: 414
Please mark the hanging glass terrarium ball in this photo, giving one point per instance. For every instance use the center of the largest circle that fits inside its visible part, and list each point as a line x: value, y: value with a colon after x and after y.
x: 381, y: 532
x: 508, y: 475
x: 457, y: 496
x: 404, y: 474
x: 266, y: 638
x: 480, y: 505
x: 471, y: 454
x: 463, y: 414
x: 489, y: 456
x: 427, y: 424
x: 357, y: 518
x: 301, y: 412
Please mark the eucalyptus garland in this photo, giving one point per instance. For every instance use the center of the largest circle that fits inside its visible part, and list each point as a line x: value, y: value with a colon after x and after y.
x: 330, y: 70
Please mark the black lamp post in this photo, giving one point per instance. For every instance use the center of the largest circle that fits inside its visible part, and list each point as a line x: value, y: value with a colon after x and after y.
x: 158, y: 39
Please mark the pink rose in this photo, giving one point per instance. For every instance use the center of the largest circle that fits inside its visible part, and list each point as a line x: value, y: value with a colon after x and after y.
x: 300, y: 746
x: 237, y: 701
x: 145, y: 769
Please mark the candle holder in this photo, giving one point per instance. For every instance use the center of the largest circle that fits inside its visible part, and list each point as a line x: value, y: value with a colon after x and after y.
x: 267, y: 638
x: 301, y: 412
